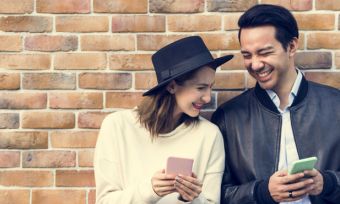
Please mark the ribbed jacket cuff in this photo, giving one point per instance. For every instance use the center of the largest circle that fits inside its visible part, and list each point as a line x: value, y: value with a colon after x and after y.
x: 262, y: 194
x: 329, y: 183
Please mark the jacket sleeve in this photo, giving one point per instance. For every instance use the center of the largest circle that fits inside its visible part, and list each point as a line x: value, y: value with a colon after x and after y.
x: 108, y: 173
x: 331, y: 188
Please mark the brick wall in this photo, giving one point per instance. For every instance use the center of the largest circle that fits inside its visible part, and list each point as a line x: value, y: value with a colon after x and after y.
x: 66, y: 64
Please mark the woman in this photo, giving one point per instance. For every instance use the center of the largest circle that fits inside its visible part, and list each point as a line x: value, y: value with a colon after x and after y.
x: 133, y: 145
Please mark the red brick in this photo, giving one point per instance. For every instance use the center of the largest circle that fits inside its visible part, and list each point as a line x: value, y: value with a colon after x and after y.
x: 32, y: 24
x: 23, y: 140
x: 48, y: 81
x: 230, y: 21
x: 337, y: 59
x: 25, y: 61
x: 120, y: 6
x: 51, y: 43
x: 327, y: 78
x: 145, y: 80
x: 48, y: 159
x: 10, y: 43
x: 155, y: 42
x: 9, y: 120
x: 323, y: 41
x: 63, y: 6
x: 224, y: 96
x: 192, y: 23
x: 82, y: 24
x: 16, y: 6
x: 297, y: 5
x: 228, y: 41
x: 85, y: 158
x: 76, y: 100
x: 108, y: 43
x: 13, y: 100
x: 9, y: 81
x: 133, y: 62
x: 176, y: 6
x: 138, y: 23
x: 72, y: 178
x: 26, y: 178
x: 327, y: 5
x: 126, y: 99
x: 301, y: 41
x: 315, y: 21
x: 9, y: 159
x: 15, y: 196
x: 105, y: 81
x: 236, y: 63
x: 92, y: 197
x: 227, y: 6
x: 74, y: 139
x: 229, y: 81
x: 58, y: 196
x: 47, y: 120
x: 91, y: 120
x: 80, y: 61
x: 313, y: 60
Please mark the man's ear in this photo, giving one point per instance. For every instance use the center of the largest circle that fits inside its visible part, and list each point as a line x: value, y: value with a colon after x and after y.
x: 293, y: 46
x: 171, y: 87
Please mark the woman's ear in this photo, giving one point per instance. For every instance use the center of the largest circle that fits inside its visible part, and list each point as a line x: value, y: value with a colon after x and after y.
x: 171, y: 87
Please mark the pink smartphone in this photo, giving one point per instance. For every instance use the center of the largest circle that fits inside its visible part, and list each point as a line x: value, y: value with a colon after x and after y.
x: 176, y: 165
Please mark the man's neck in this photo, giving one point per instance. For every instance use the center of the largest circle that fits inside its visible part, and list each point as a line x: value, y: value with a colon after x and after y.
x: 284, y: 91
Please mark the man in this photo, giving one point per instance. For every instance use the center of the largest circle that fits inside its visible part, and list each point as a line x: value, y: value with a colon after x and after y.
x: 282, y: 119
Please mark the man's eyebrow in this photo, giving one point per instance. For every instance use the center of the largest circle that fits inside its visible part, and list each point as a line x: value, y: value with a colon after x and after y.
x: 270, y: 47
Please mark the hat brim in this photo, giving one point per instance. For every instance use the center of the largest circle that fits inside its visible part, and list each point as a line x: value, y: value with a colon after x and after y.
x: 213, y: 64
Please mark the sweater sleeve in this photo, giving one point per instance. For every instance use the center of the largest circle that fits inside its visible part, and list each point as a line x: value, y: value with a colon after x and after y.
x: 108, y: 174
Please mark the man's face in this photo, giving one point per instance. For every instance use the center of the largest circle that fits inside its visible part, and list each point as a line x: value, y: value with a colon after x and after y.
x: 265, y: 58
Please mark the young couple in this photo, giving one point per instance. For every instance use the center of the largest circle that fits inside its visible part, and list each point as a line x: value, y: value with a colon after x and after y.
x: 245, y: 156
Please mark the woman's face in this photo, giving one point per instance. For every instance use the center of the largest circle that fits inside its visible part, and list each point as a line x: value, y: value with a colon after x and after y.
x: 193, y: 93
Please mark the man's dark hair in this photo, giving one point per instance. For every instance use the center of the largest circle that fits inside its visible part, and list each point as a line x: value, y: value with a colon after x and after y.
x: 277, y: 16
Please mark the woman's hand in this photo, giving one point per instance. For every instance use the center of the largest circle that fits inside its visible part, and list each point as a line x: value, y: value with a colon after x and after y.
x: 189, y: 187
x: 163, y: 184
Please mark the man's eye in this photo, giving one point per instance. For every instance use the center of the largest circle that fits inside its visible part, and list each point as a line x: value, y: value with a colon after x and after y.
x: 246, y: 56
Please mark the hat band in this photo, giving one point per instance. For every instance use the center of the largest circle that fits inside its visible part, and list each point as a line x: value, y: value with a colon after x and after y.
x: 193, y: 62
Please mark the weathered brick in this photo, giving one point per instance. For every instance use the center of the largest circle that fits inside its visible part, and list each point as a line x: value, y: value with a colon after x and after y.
x: 14, y: 196
x: 58, y: 196
x: 23, y: 140
x: 145, y: 80
x: 315, y: 21
x: 9, y: 120
x: 155, y: 42
x: 176, y: 6
x: 229, y: 81
x: 314, y: 60
x: 107, y: 81
x: 74, y: 139
x: 10, y: 43
x: 230, y: 21
x: 9, y: 159
x: 138, y: 23
x: 224, y: 96
x: 337, y: 59
x: 14, y: 100
x: 25, y: 61
x: 108, y: 43
x: 63, y: 6
x: 76, y: 100
x: 297, y: 5
x: 91, y: 120
x: 49, y: 81
x: 327, y: 5
x: 225, y: 41
x: 327, y: 78
x: 323, y: 40
x: 16, y: 6
x: 85, y: 158
x: 123, y: 99
x: 51, y: 43
x: 120, y: 6
x: 82, y: 24
x: 80, y: 61
x: 301, y: 45
x: 26, y: 178
x: 72, y: 178
x: 236, y: 63
x: 192, y: 23
x: 9, y: 81
x: 32, y: 24
x: 133, y: 62
x: 47, y: 120
x: 48, y: 159
x: 92, y: 197
x: 230, y: 5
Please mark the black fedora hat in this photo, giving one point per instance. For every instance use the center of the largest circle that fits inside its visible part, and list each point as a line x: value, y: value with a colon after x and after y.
x: 181, y: 57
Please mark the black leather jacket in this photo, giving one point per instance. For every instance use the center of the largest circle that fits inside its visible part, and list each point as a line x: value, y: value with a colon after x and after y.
x: 251, y: 127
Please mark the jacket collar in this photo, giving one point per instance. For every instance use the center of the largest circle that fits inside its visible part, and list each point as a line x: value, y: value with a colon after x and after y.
x: 265, y: 100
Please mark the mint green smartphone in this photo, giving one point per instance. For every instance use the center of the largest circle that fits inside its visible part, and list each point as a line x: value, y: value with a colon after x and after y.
x: 302, y: 164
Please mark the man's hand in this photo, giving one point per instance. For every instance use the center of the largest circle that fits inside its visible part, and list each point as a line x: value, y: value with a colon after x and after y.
x: 287, y: 188
x: 318, y: 181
